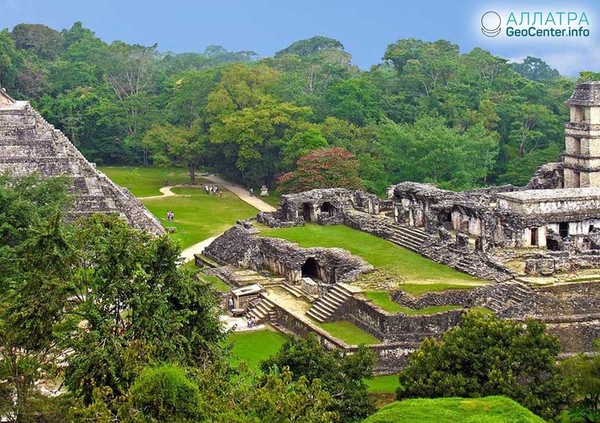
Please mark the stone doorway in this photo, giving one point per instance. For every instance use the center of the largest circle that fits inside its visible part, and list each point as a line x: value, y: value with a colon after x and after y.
x: 308, y: 212
x: 328, y: 209
x: 310, y: 269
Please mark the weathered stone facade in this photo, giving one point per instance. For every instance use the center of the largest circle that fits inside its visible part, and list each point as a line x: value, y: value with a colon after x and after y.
x: 241, y: 247
x: 29, y: 144
x: 323, y: 206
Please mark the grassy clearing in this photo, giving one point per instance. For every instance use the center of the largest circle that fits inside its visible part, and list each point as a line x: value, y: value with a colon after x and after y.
x: 215, y: 282
x: 254, y: 346
x: 383, y: 300
x: 383, y: 384
x: 441, y: 410
x: 145, y: 181
x: 393, y: 262
x: 348, y: 332
x: 198, y: 215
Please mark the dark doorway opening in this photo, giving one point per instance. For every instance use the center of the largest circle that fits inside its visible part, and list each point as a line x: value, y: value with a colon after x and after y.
x: 563, y: 229
x: 328, y: 209
x: 576, y: 179
x: 534, y: 236
x: 307, y: 212
x: 310, y: 269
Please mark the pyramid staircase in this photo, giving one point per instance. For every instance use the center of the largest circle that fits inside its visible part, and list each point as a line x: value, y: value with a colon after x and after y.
x: 328, y: 304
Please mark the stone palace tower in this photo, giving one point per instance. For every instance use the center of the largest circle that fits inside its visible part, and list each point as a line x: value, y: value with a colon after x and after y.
x: 581, y: 159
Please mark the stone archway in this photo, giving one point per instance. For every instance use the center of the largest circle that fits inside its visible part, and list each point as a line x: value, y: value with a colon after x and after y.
x: 308, y: 212
x: 310, y: 269
x: 328, y: 209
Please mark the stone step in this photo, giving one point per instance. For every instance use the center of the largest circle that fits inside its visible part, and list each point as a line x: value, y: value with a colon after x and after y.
x: 261, y: 309
x: 292, y: 290
x: 317, y: 315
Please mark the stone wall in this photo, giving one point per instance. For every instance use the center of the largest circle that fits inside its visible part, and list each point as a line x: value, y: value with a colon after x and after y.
x: 241, y: 247
x: 561, y: 262
x: 390, y: 357
x: 398, y: 327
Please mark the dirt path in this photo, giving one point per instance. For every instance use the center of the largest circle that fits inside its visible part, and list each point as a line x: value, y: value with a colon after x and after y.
x: 198, y: 248
x: 188, y: 254
x: 242, y: 193
x: 164, y: 192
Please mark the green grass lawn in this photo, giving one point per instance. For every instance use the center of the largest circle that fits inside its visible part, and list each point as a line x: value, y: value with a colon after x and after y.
x: 383, y: 300
x: 393, y: 262
x: 145, y: 181
x: 215, y: 282
x: 198, y: 215
x: 348, y: 332
x: 451, y: 410
x: 254, y: 346
x: 383, y: 384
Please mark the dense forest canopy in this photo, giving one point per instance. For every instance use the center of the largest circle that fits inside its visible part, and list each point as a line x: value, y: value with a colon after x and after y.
x: 426, y: 113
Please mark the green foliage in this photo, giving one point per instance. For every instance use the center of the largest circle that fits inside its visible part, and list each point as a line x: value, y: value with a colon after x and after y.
x: 487, y: 355
x: 43, y: 41
x: 450, y: 410
x: 327, y: 168
x: 342, y: 376
x: 585, y: 370
x: 165, y: 394
x: 469, y: 119
x: 535, y: 69
x: 311, y: 46
x: 135, y: 302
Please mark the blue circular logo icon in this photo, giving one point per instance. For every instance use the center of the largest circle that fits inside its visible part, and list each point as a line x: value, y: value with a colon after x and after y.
x: 490, y: 24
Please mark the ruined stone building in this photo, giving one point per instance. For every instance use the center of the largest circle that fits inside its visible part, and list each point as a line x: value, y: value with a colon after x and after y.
x: 508, y: 235
x: 559, y: 209
x: 29, y: 144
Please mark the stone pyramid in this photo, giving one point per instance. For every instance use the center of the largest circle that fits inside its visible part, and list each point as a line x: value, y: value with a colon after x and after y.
x: 30, y: 144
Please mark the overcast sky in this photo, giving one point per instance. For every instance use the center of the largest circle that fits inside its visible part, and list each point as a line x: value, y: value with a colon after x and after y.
x: 365, y: 27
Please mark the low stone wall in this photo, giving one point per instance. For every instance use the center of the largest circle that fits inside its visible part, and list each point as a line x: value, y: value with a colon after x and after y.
x: 367, y: 223
x: 390, y: 357
x: 551, y: 263
x: 398, y: 327
x: 461, y: 297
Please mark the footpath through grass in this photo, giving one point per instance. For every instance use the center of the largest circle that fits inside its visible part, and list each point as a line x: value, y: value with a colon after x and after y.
x: 199, y: 215
x: 392, y: 261
x: 145, y: 181
x: 451, y: 410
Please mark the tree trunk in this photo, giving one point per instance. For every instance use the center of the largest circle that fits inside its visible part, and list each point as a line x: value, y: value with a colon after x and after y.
x: 192, y: 170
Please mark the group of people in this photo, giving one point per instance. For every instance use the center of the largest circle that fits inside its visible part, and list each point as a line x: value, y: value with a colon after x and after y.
x: 170, y: 216
x: 213, y: 189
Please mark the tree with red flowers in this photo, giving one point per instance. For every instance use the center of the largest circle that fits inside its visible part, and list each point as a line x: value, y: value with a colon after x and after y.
x: 322, y: 168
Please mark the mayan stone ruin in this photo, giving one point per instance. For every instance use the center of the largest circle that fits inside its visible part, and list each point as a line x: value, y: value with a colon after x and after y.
x: 530, y: 242
x: 29, y: 144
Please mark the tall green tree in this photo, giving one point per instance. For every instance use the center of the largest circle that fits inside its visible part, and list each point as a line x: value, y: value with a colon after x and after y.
x: 342, y: 376
x: 486, y: 355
